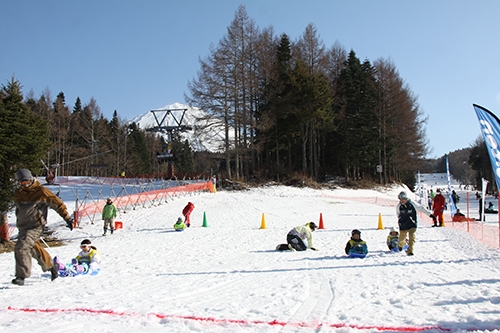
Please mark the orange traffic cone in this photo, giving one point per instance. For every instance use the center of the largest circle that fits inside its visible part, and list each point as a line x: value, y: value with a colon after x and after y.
x: 321, y: 225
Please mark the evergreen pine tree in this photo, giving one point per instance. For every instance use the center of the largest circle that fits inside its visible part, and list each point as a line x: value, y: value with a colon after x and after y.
x: 24, y: 139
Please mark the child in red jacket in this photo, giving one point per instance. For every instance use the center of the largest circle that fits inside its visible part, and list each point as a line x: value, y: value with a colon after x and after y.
x: 187, y: 213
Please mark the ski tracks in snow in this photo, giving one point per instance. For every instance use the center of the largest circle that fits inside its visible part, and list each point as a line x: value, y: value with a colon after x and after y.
x: 314, y: 308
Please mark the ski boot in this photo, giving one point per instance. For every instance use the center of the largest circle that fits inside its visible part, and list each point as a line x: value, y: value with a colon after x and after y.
x: 19, y: 281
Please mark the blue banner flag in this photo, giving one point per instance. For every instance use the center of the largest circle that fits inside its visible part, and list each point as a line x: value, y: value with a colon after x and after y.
x: 490, y: 128
x: 453, y: 208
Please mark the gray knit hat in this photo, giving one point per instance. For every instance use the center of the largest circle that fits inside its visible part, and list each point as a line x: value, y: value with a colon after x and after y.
x: 24, y: 174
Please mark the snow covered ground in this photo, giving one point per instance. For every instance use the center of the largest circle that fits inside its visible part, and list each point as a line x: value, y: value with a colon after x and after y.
x: 227, y: 277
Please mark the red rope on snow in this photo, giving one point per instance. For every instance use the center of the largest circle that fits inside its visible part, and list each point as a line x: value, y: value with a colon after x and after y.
x: 239, y: 321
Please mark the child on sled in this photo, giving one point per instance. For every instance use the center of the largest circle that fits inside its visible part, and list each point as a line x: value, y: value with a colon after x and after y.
x: 393, y: 240
x: 356, y: 247
x: 179, y: 225
x: 87, y: 262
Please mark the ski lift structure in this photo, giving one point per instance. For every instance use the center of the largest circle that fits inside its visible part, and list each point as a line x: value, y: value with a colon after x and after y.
x: 168, y: 122
x: 50, y: 177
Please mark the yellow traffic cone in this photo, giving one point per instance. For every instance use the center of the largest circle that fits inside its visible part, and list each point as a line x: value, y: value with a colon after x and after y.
x: 380, y: 224
x: 263, y: 223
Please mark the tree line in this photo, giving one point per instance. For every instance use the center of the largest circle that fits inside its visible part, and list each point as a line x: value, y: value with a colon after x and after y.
x: 78, y: 141
x: 300, y: 108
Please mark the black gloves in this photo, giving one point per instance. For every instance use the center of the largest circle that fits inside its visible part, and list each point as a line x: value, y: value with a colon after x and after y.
x: 314, y: 249
x: 69, y: 223
x: 433, y: 218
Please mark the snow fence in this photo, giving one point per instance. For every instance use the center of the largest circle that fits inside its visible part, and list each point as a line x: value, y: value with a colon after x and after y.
x: 90, y: 207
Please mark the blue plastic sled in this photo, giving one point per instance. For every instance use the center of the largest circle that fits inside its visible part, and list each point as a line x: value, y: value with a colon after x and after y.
x: 396, y: 249
x: 70, y: 273
x: 356, y: 255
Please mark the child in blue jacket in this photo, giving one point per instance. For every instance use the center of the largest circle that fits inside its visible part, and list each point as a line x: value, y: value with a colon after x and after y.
x: 356, y: 245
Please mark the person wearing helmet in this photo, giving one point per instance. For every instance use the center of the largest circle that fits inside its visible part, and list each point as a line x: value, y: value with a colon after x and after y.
x: 356, y: 246
x: 296, y: 237
x: 406, y: 211
x: 179, y: 225
x: 32, y: 202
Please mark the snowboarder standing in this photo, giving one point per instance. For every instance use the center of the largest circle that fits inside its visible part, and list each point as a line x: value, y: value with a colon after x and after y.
x: 32, y: 202
x: 109, y: 213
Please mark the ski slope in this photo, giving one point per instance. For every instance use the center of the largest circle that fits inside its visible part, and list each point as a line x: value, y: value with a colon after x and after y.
x: 227, y: 277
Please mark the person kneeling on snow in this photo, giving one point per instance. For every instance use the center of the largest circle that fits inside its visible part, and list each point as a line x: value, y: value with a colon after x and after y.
x: 88, y: 261
x: 295, y: 238
x: 179, y: 225
x: 356, y: 244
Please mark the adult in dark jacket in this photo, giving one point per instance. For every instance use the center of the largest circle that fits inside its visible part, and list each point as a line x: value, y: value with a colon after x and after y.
x: 406, y: 211
x: 32, y: 202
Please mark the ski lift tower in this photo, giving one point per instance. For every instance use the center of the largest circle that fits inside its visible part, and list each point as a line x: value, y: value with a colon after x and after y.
x: 168, y: 121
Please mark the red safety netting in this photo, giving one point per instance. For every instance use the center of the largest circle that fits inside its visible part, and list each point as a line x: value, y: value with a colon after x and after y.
x: 485, y: 233
x: 132, y: 201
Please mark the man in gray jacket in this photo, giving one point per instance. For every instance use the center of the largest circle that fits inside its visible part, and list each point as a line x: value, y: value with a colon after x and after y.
x: 32, y: 202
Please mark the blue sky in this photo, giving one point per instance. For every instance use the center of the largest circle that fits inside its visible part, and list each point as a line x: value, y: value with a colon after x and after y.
x: 135, y: 56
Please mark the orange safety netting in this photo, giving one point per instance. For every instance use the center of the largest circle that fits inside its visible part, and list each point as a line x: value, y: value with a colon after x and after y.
x: 487, y: 234
x: 134, y: 200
